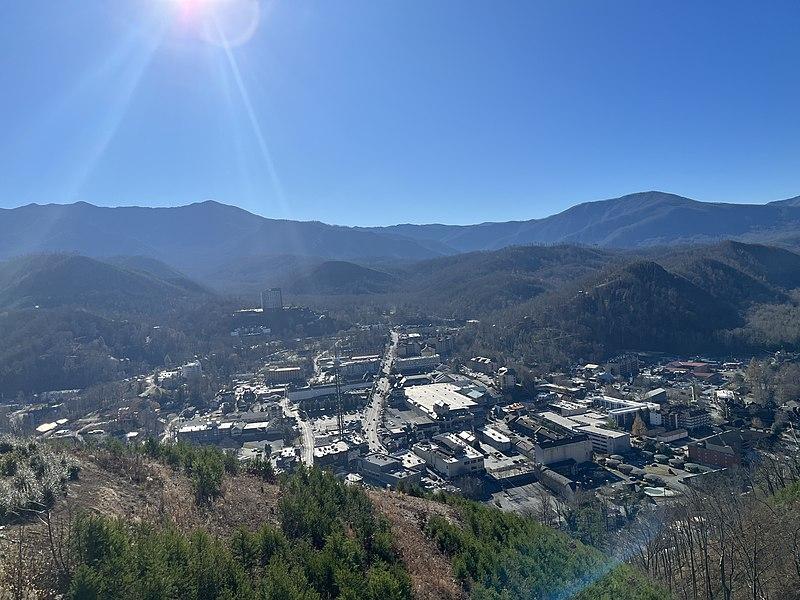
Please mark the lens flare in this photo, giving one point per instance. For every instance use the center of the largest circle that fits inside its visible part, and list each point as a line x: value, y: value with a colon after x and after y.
x: 218, y: 22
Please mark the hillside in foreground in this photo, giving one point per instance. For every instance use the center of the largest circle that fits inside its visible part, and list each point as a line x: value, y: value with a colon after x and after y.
x: 133, y: 525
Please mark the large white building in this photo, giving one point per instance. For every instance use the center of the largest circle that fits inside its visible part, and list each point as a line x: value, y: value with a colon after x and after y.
x: 604, y: 441
x: 192, y: 370
x: 271, y: 299
x: 607, y: 441
x: 549, y: 442
x: 450, y: 456
x: 442, y: 403
x: 284, y: 374
x: 416, y: 363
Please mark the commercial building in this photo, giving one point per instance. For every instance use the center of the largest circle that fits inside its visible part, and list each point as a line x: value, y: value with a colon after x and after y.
x: 192, y: 370
x: 284, y: 375
x: 551, y: 443
x: 506, y: 378
x: 728, y: 449
x: 449, y: 456
x: 416, y: 364
x: 271, y: 300
x: 607, y: 441
x: 658, y: 395
x: 385, y: 470
x: 684, y: 417
x: 557, y: 483
x: 359, y: 366
x: 494, y: 438
x: 481, y: 364
x: 624, y: 412
x: 442, y: 403
x: 236, y: 430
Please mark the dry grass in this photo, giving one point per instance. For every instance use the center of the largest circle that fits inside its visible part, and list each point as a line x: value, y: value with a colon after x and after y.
x: 431, y: 571
x: 151, y: 492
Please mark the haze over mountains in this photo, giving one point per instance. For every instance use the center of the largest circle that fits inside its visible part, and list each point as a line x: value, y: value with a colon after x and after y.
x: 208, y: 237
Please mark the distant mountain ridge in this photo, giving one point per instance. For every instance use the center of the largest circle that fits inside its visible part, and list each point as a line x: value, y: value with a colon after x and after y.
x: 633, y: 221
x: 57, y: 280
x: 208, y: 237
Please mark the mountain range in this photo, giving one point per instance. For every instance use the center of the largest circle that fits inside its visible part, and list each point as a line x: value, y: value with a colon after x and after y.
x: 121, y: 283
x: 209, y: 240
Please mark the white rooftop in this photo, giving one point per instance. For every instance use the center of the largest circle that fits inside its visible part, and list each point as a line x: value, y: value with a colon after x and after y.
x: 426, y: 396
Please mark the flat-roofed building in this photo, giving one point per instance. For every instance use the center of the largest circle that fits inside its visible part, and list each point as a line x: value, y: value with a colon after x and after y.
x: 271, y: 299
x: 658, y: 395
x: 549, y: 443
x: 494, y: 438
x: 443, y: 403
x: 358, y: 366
x: 284, y: 374
x: 386, y: 470
x: 416, y: 364
x: 607, y: 441
x: 449, y: 456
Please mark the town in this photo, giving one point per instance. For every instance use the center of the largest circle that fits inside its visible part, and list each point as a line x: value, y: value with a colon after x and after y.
x: 396, y: 406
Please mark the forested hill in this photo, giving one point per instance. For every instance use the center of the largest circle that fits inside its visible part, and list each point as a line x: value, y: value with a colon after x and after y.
x: 723, y: 298
x: 177, y: 521
x: 342, y: 277
x: 55, y: 280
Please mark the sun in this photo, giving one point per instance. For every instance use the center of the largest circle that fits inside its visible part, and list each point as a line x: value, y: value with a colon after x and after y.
x: 220, y: 22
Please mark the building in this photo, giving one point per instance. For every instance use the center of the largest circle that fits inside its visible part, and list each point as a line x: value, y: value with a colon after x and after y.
x: 684, y: 417
x: 694, y: 418
x: 336, y: 453
x: 442, y: 403
x: 557, y: 483
x: 658, y: 395
x: 385, y: 470
x: 624, y: 412
x: 566, y: 408
x: 551, y: 443
x: 271, y: 300
x: 416, y: 364
x: 667, y: 437
x: 481, y: 364
x: 506, y: 378
x: 625, y: 366
x: 448, y: 455
x: 607, y: 441
x: 238, y: 429
x: 284, y: 375
x: 728, y: 449
x: 500, y: 441
x: 359, y: 366
x: 192, y: 371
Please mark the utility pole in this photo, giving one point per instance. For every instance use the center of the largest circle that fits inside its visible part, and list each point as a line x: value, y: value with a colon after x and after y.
x: 339, y: 407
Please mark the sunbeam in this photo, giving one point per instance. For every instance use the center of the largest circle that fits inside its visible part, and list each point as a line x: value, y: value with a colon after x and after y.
x: 130, y: 77
x: 266, y: 155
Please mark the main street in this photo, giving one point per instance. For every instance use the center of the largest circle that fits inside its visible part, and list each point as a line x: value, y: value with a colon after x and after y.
x: 373, y: 416
x: 306, y: 433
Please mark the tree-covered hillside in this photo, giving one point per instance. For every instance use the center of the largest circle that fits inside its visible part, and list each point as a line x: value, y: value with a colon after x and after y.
x: 310, y: 536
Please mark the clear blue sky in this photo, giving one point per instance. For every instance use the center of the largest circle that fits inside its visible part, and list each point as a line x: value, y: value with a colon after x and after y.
x: 378, y: 112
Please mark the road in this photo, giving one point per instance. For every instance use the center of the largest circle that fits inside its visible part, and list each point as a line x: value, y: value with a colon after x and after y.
x: 373, y: 416
x: 306, y: 433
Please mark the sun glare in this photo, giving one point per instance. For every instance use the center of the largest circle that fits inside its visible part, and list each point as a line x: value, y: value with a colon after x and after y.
x: 221, y: 22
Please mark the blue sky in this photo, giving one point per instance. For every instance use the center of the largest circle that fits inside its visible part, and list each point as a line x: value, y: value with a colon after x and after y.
x: 379, y: 112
